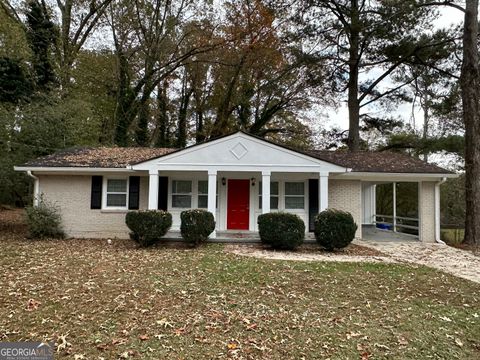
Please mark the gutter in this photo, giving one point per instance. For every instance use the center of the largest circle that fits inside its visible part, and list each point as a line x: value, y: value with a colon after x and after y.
x: 437, y: 210
x: 36, y: 188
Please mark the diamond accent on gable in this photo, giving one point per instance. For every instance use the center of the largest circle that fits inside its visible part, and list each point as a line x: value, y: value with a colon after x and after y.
x: 239, y: 150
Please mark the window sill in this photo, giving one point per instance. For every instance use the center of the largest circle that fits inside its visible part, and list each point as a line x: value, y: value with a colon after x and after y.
x: 114, y: 211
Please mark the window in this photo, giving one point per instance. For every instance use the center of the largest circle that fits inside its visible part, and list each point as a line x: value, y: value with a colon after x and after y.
x: 294, y: 195
x: 117, y: 193
x: 273, y: 195
x: 203, y: 194
x: 181, y: 194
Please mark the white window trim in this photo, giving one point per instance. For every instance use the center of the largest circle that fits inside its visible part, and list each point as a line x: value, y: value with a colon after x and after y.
x: 104, y: 192
x: 192, y: 194
x: 302, y: 196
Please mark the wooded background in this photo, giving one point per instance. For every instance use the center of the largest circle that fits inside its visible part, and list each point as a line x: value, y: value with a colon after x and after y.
x: 169, y: 73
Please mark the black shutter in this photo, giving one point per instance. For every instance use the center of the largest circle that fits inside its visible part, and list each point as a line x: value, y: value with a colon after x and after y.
x: 312, y: 202
x: 163, y: 193
x: 96, y: 195
x: 134, y: 192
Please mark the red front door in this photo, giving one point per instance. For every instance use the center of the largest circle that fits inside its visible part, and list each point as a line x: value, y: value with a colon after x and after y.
x: 238, y: 204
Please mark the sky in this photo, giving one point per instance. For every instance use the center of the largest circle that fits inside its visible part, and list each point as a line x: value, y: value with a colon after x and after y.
x: 339, y: 117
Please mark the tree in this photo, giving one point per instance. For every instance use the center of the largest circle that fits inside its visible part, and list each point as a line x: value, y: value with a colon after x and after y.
x: 261, y: 77
x: 365, y: 43
x: 470, y: 85
x: 42, y: 37
x: 149, y: 40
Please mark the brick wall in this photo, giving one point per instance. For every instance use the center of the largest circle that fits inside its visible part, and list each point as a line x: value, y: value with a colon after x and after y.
x: 346, y: 195
x: 72, y: 195
x: 426, y: 203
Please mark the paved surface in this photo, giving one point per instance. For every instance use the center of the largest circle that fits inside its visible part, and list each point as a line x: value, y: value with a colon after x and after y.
x: 457, y: 262
x: 372, y: 233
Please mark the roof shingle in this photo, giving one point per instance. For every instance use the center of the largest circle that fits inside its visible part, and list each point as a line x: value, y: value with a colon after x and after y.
x: 118, y: 157
x: 379, y: 161
x: 101, y: 157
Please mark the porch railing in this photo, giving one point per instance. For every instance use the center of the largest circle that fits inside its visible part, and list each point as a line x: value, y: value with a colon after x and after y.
x: 396, y: 221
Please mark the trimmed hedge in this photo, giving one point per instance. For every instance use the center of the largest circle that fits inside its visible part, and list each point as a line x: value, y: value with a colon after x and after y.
x: 44, y: 221
x: 334, y: 229
x: 148, y: 226
x: 283, y: 231
x: 196, y: 225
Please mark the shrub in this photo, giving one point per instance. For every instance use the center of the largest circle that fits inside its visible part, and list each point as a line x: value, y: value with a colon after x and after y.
x: 281, y: 230
x: 148, y: 226
x: 44, y: 221
x: 196, y: 225
x: 334, y: 229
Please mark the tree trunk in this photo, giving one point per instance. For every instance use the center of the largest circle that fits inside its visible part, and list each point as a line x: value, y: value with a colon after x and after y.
x: 124, y: 103
x: 426, y: 119
x: 141, y: 133
x: 182, y: 116
x: 353, y: 62
x: 469, y: 82
x: 163, y: 136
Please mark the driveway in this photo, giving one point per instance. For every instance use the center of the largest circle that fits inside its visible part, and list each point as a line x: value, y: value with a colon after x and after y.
x: 457, y: 262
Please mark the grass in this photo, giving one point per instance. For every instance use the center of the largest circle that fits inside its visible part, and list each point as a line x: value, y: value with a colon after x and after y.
x: 116, y: 301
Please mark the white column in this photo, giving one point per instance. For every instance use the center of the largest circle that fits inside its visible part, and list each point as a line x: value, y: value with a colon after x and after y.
x: 153, y: 190
x: 266, y: 192
x: 212, y: 196
x: 323, y: 191
x: 394, y: 206
x: 437, y: 212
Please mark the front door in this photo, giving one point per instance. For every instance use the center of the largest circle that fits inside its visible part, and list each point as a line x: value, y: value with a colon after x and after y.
x: 238, y: 204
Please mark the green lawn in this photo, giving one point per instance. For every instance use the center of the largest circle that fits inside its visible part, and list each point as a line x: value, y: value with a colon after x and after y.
x: 97, y: 300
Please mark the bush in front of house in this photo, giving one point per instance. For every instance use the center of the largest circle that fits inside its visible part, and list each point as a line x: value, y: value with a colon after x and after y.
x: 44, y: 221
x: 282, y: 231
x: 196, y: 225
x: 334, y: 229
x: 148, y: 226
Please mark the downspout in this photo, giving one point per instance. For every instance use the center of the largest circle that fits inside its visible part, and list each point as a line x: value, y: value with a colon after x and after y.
x: 437, y: 211
x: 36, y: 188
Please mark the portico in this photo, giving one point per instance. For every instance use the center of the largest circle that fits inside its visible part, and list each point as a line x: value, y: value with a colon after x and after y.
x: 241, y: 177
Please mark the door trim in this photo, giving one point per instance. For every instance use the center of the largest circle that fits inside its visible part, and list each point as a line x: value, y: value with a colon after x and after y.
x: 247, y: 181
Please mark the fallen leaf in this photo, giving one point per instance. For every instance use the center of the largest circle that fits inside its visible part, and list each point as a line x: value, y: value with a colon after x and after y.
x: 32, y: 305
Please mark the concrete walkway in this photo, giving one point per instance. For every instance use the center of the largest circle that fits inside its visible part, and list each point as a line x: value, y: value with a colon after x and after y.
x: 457, y: 262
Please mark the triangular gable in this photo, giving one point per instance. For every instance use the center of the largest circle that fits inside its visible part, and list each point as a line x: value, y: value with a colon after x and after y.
x: 239, y: 150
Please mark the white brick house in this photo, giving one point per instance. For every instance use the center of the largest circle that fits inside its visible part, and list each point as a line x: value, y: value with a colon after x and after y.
x: 236, y: 177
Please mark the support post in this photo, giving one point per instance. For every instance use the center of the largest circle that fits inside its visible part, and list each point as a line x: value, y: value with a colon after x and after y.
x: 394, y: 207
x: 266, y: 192
x: 323, y: 191
x: 153, y: 190
x: 437, y: 212
x: 212, y: 197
